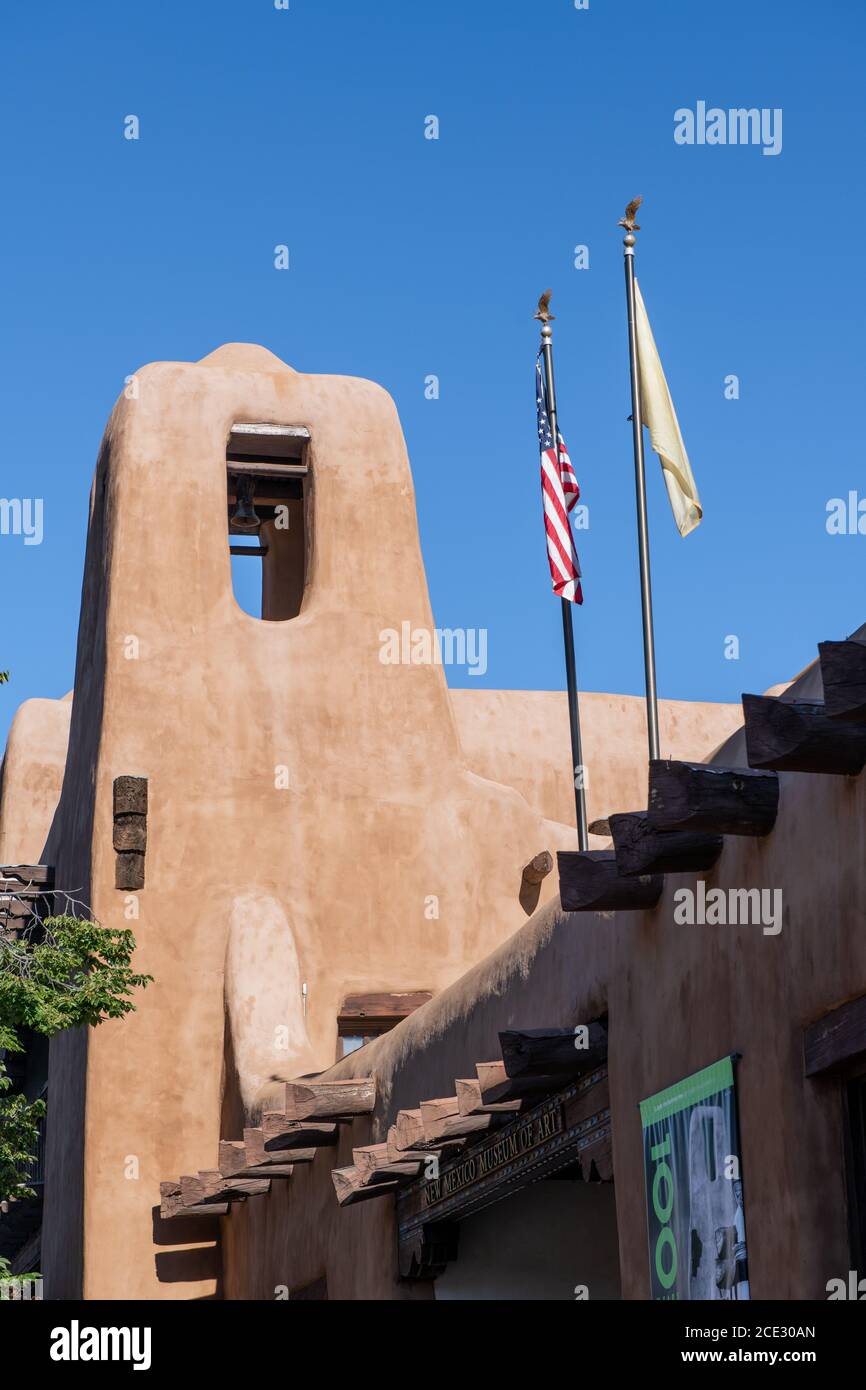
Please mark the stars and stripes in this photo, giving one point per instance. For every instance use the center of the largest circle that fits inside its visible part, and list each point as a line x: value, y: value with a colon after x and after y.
x: 559, y: 492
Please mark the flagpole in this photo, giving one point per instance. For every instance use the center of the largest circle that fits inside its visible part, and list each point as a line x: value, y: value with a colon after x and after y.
x: 649, y: 655
x: 567, y: 627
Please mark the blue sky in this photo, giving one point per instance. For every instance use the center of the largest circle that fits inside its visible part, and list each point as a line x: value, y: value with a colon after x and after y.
x: 412, y: 257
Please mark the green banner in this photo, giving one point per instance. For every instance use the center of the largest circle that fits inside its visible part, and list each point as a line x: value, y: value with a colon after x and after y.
x: 694, y: 1188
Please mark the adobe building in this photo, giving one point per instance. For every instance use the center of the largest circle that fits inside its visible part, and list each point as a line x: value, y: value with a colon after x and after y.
x: 537, y: 1185
x: 388, y: 1054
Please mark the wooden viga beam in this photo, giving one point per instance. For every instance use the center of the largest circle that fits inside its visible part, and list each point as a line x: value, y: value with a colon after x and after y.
x: 470, y: 1101
x: 29, y: 875
x: 423, y: 1152
x: 641, y: 849
x: 496, y: 1087
x: 408, y: 1131
x: 441, y: 1120
x: 235, y: 1162
x: 202, y: 1189
x: 553, y: 1052
x: 171, y: 1204
x: 375, y: 1165
x: 328, y: 1100
x: 843, y: 672
x: 590, y: 881
x: 281, y: 1133
x: 800, y: 737
x: 398, y: 1155
x: 350, y: 1188
x: 715, y: 800
x: 256, y: 1153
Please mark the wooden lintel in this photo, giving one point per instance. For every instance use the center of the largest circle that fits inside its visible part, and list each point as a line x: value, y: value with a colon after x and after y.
x: 381, y: 1007
x: 786, y: 736
x: 716, y: 800
x: 328, y: 1100
x: 263, y: 468
x: 843, y: 672
x: 833, y: 1042
x: 641, y: 849
x: 589, y: 881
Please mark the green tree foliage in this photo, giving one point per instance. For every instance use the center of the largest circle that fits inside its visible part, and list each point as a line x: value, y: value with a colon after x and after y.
x: 64, y: 972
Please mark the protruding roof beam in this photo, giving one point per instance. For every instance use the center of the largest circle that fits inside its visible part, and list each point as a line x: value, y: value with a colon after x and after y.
x: 208, y: 1187
x: 282, y: 1133
x: 790, y: 736
x: 843, y: 672
x: 234, y: 1163
x: 553, y: 1052
x: 589, y: 881
x: 172, y: 1204
x: 471, y: 1102
x: 441, y: 1119
x: 327, y: 1100
x: 716, y: 800
x: 641, y: 849
x: 349, y: 1187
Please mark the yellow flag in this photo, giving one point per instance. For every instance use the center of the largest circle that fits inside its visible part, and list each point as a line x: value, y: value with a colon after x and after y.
x: 660, y: 418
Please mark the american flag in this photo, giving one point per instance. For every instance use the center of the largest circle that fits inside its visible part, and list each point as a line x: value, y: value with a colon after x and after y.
x: 559, y: 493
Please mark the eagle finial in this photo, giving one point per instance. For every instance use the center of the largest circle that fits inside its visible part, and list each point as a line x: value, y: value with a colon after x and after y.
x: 628, y: 221
x: 543, y: 310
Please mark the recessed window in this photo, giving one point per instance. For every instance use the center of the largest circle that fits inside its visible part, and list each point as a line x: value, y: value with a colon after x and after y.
x: 363, y: 1017
x: 267, y: 478
x: 350, y: 1042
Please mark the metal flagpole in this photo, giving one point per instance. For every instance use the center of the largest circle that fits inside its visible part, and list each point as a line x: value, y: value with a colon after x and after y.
x: 567, y: 628
x: 649, y: 655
